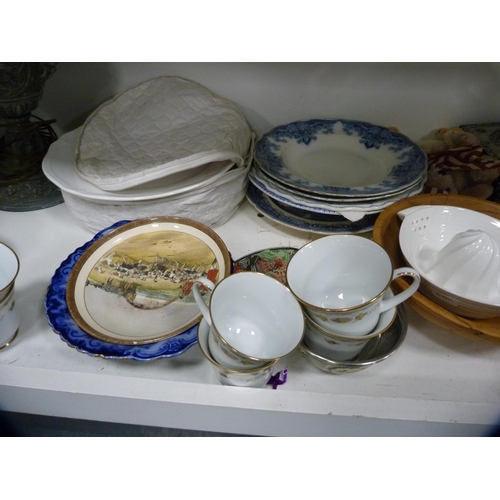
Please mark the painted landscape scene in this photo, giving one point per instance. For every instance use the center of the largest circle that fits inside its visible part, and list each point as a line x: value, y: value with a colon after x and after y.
x: 144, y: 283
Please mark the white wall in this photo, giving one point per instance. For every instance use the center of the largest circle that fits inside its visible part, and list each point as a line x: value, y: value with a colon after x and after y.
x: 415, y: 97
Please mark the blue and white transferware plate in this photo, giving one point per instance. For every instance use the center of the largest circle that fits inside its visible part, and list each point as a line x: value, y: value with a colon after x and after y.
x: 63, y: 324
x: 294, y: 198
x: 341, y: 157
x: 307, y: 221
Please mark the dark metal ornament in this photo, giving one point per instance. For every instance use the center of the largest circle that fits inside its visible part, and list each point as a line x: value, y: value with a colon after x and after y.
x: 24, y: 138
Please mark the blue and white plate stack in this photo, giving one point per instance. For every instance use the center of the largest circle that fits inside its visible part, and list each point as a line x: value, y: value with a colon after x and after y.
x: 333, y: 176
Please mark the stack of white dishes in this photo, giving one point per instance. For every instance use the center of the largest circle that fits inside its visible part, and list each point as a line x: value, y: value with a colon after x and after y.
x: 333, y: 176
x: 167, y: 146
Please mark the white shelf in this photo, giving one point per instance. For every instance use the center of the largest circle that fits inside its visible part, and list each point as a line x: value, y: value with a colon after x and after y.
x: 436, y: 384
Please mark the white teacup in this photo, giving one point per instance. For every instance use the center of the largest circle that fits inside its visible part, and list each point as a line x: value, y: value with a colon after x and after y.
x: 255, y: 377
x: 253, y: 318
x: 338, y: 347
x: 9, y: 316
x: 340, y: 280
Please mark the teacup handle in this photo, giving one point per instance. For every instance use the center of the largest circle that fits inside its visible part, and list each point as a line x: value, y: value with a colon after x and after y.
x: 199, y: 299
x: 387, y: 304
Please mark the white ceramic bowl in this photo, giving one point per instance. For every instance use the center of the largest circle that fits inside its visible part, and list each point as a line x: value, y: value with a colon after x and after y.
x: 456, y: 251
x: 209, y: 199
x: 256, y: 377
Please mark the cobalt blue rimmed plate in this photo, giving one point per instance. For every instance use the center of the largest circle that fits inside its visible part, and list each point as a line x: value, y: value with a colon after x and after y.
x: 341, y: 157
x: 63, y: 324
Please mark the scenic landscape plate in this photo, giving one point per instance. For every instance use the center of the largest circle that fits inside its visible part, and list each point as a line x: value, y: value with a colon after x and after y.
x: 133, y: 285
x: 61, y: 321
x: 341, y: 158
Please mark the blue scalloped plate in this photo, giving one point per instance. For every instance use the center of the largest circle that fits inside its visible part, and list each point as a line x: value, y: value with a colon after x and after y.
x: 341, y: 157
x: 62, y: 322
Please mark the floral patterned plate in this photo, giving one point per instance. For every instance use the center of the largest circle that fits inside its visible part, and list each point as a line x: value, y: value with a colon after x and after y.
x: 64, y: 325
x: 270, y: 261
x: 341, y: 157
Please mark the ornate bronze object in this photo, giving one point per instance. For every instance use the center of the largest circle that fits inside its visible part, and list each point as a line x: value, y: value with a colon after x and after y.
x: 24, y: 138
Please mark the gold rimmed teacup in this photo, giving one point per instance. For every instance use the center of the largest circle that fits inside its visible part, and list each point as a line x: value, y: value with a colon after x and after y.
x: 254, y: 377
x: 9, y: 315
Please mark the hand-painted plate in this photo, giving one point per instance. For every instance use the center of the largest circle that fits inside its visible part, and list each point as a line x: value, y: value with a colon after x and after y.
x: 307, y: 221
x: 341, y: 158
x: 270, y: 261
x: 61, y: 321
x: 133, y: 285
